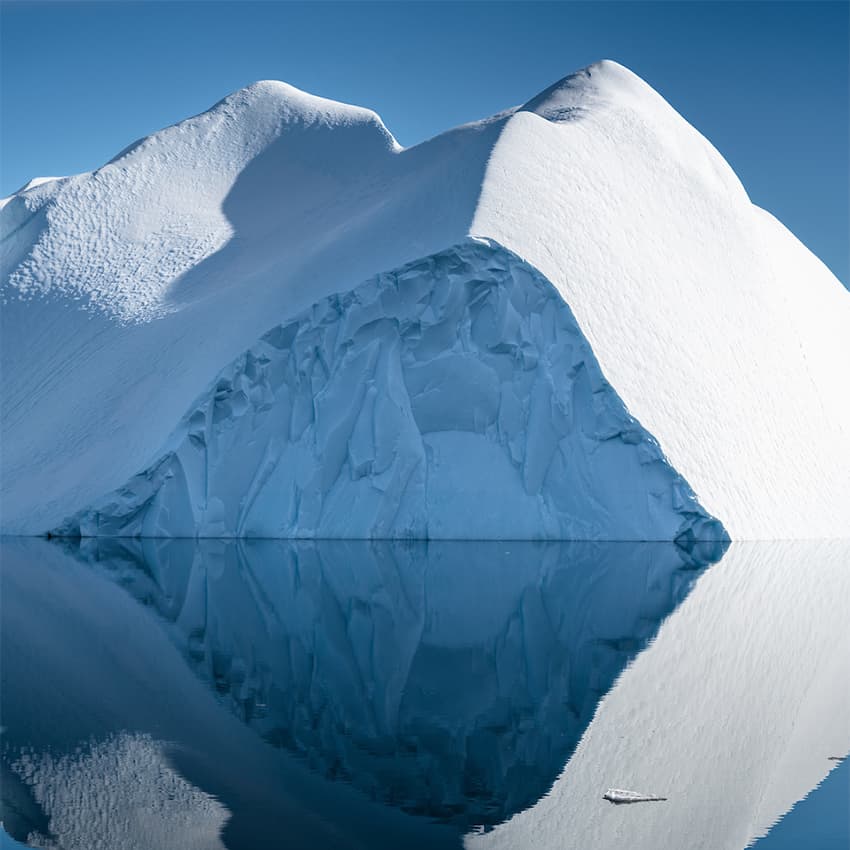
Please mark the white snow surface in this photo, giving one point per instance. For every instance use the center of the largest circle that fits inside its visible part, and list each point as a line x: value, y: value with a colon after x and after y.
x: 128, y: 293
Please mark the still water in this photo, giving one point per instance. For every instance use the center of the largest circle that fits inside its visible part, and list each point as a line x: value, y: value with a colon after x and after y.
x: 213, y: 694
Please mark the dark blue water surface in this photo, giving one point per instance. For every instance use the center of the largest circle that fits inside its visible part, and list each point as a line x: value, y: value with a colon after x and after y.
x: 821, y: 820
x: 325, y: 694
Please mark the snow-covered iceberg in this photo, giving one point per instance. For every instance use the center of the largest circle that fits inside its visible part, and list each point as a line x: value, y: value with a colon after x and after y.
x: 567, y: 320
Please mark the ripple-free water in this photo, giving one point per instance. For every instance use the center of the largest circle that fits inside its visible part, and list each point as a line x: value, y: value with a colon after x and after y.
x: 246, y: 694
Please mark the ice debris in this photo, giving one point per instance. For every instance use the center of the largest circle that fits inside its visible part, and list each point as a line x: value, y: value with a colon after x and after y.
x: 619, y: 796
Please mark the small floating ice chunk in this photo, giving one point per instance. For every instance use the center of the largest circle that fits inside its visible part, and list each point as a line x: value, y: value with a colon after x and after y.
x: 618, y: 796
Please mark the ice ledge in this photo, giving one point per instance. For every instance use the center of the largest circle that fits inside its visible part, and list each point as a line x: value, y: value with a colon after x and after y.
x: 453, y: 398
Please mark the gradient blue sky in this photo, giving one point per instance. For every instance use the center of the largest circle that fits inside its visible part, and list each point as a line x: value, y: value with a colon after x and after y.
x: 766, y: 82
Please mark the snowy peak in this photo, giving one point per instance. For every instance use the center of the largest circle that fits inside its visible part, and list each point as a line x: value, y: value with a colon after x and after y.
x: 622, y: 107
x: 281, y: 105
x: 296, y: 106
x: 35, y: 182
x: 596, y: 85
x: 253, y: 117
x: 116, y: 240
x: 711, y: 324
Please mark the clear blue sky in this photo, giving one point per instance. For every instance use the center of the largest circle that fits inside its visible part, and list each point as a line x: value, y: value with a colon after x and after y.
x: 766, y: 82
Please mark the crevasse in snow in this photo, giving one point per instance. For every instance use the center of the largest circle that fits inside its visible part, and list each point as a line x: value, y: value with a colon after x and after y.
x: 461, y: 379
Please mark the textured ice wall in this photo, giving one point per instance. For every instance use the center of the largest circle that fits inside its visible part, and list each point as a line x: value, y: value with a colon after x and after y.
x: 453, y: 398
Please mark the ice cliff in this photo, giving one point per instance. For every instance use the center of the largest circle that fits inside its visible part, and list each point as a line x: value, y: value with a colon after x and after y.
x: 565, y: 320
x: 460, y: 380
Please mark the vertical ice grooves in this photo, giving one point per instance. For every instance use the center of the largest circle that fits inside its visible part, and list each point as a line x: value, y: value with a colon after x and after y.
x: 453, y: 398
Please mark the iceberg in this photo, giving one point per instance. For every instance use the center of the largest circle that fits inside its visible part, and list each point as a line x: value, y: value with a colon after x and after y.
x: 620, y: 796
x: 390, y: 411
x: 564, y: 321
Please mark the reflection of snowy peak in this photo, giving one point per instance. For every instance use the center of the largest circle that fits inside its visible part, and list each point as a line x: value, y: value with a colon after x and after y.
x: 732, y: 713
x: 452, y: 679
x: 136, y: 297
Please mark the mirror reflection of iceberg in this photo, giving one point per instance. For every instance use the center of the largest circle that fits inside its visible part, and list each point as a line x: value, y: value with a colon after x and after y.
x: 738, y: 709
x: 450, y: 679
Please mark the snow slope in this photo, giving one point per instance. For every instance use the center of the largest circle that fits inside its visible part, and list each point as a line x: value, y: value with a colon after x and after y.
x: 131, y: 291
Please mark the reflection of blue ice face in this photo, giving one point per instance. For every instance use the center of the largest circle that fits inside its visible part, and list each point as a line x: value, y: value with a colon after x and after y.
x: 450, y: 679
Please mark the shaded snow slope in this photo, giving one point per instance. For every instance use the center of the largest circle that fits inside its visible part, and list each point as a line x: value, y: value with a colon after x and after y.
x: 110, y: 323
x: 120, y: 237
x: 127, y: 290
x: 460, y: 380
x: 736, y: 707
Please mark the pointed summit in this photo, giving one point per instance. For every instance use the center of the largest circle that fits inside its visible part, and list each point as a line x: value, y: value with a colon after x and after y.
x: 599, y: 84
